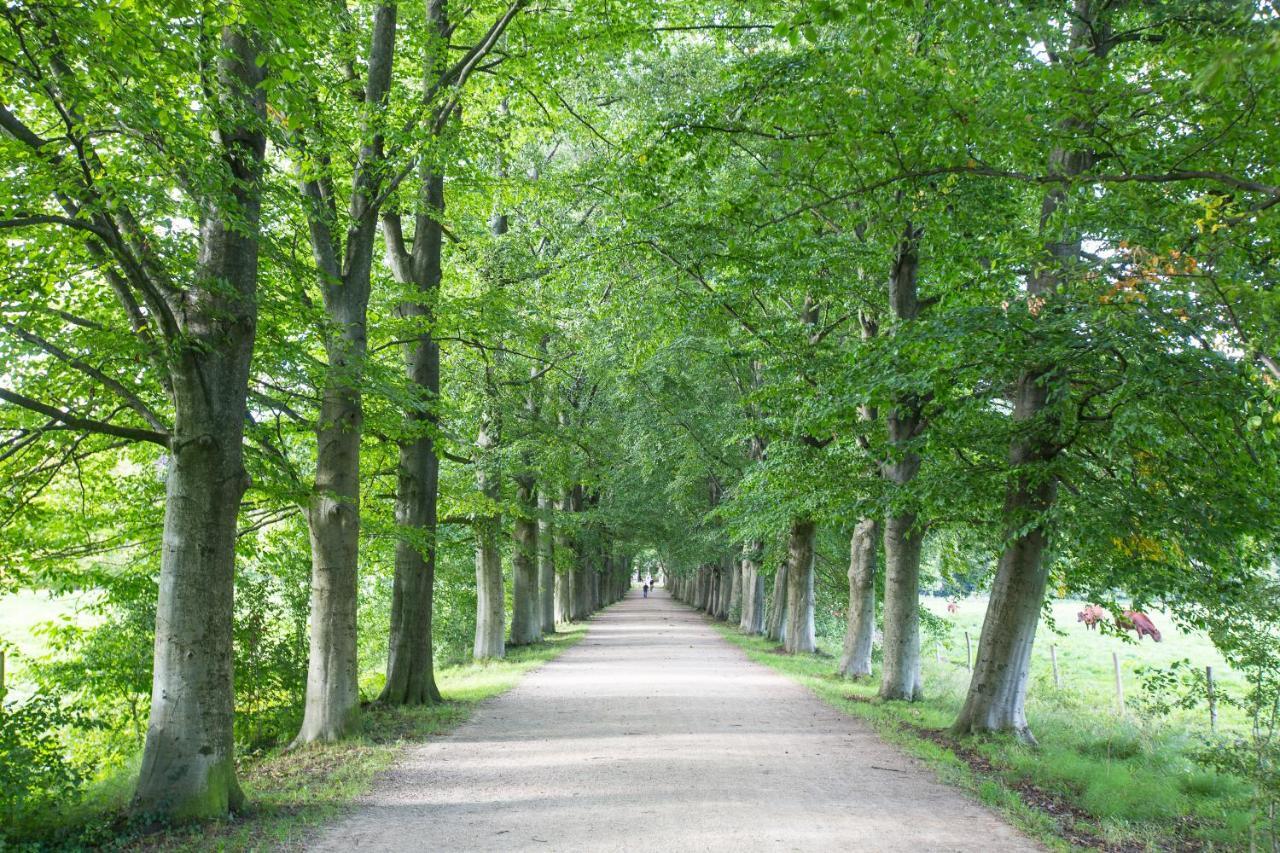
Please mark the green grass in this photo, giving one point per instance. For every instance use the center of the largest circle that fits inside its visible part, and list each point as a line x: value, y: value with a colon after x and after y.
x: 1112, y: 778
x: 292, y: 793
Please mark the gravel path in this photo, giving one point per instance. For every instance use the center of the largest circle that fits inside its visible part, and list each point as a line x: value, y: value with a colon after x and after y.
x: 655, y: 734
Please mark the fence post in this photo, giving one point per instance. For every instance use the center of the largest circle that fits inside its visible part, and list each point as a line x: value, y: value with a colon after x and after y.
x: 1213, y: 700
x: 1053, y: 658
x: 968, y: 653
x: 1115, y: 659
x: 937, y: 652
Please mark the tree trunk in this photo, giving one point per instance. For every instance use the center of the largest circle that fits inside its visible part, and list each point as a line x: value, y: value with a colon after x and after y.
x: 855, y: 661
x: 526, y: 606
x: 996, y: 700
x: 581, y: 578
x: 410, y: 666
x: 900, y: 678
x: 333, y: 514
x: 410, y: 657
x: 546, y: 565
x: 490, y: 605
x: 799, y: 635
x: 569, y: 561
x: 752, y: 621
x: 778, y: 607
x: 903, y: 537
x: 188, y: 759
x: 735, y: 588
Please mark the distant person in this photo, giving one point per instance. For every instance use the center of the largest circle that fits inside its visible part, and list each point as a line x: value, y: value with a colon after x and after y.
x: 646, y: 590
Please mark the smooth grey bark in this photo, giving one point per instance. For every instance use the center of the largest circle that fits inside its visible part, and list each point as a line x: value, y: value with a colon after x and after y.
x: 410, y: 666
x: 860, y: 628
x: 777, y: 624
x: 490, y: 605
x: 996, y: 699
x: 799, y: 635
x: 526, y: 613
x: 188, y: 758
x: 569, y: 559
x: 333, y: 512
x: 579, y: 574
x: 855, y: 660
x: 410, y: 653
x: 752, y: 620
x: 546, y: 565
x: 526, y: 601
x: 903, y: 535
x: 735, y: 587
x: 410, y: 658
x: 724, y: 589
x: 490, y: 598
x: 900, y: 677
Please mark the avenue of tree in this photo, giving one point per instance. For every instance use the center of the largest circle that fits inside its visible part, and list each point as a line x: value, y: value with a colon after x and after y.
x: 416, y: 329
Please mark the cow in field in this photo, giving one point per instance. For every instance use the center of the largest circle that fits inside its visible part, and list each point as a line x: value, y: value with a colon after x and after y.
x: 1139, y: 623
x: 1091, y: 616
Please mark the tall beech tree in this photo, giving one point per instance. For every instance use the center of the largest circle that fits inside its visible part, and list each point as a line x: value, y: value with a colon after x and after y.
x: 188, y: 295
x: 417, y: 263
x: 345, y: 267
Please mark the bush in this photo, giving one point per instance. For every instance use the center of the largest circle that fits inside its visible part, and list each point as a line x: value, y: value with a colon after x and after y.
x: 36, y: 776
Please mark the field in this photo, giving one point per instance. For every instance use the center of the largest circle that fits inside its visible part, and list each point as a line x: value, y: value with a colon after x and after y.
x: 1085, y: 663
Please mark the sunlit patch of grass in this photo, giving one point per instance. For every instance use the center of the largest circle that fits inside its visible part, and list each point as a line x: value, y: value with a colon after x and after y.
x: 291, y: 792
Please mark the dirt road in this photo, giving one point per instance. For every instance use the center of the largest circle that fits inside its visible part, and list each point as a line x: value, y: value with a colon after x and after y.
x: 654, y: 734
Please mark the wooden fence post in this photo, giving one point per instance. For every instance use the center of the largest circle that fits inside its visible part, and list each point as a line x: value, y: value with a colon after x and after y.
x: 968, y: 653
x: 1115, y: 658
x: 1053, y: 658
x: 937, y: 652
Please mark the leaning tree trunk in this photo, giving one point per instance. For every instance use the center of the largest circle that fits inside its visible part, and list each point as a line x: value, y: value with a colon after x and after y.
x: 752, y: 621
x: 546, y: 565
x: 799, y: 635
x: 777, y: 625
x: 996, y: 701
x: 188, y: 759
x: 855, y: 661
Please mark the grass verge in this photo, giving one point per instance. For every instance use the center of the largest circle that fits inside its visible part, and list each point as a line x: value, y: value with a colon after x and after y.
x: 1098, y: 780
x: 290, y: 794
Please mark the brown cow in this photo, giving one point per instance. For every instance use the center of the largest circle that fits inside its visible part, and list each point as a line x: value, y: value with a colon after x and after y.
x: 1139, y: 623
x: 1091, y: 616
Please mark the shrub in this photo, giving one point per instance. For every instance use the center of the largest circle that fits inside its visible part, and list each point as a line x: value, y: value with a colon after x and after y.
x: 36, y: 776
